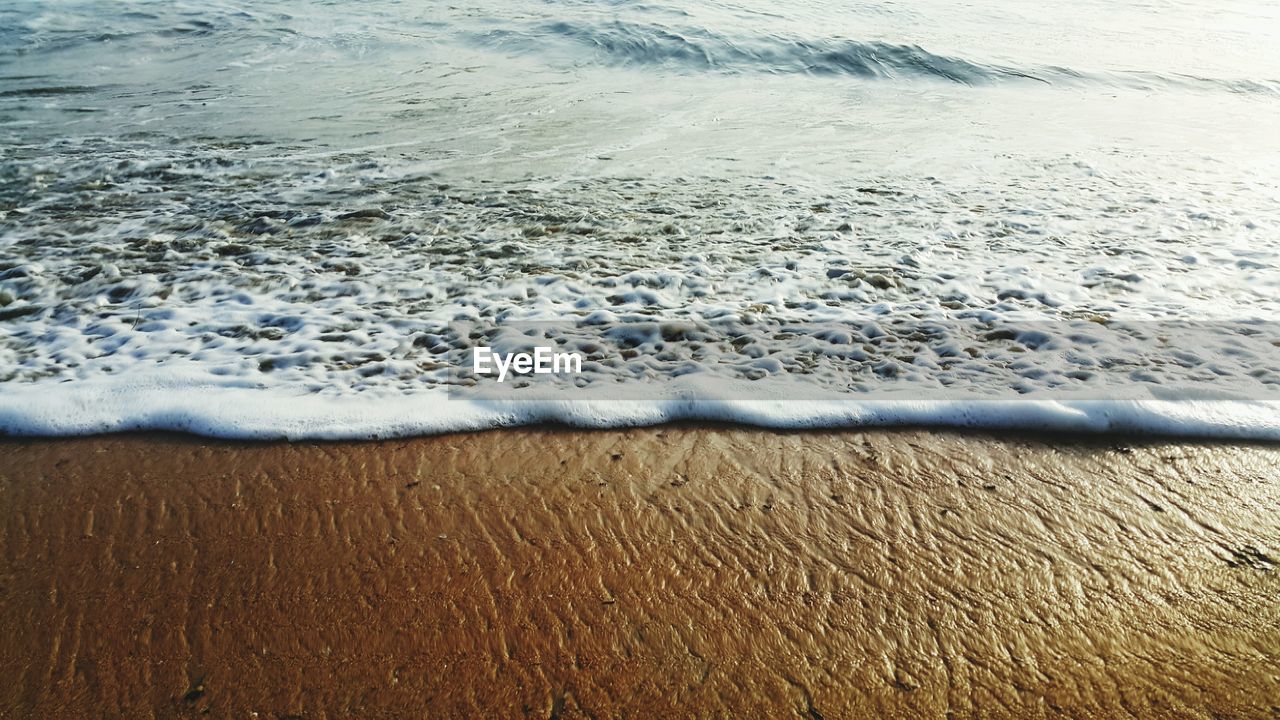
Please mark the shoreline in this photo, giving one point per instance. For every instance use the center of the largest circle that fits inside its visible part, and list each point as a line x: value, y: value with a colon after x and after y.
x: 675, y: 570
x: 175, y: 402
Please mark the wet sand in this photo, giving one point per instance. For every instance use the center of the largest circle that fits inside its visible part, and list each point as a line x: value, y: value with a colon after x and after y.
x: 667, y: 572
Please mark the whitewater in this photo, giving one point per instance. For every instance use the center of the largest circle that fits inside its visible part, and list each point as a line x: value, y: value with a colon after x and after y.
x: 298, y: 220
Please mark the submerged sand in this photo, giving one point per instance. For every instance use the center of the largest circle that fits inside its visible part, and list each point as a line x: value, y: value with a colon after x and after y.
x: 666, y: 572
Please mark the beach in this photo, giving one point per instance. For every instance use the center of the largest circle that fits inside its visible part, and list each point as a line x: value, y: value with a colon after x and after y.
x: 663, y: 359
x: 674, y: 571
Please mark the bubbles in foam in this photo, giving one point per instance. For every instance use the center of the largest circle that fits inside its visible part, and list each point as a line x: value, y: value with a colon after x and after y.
x: 354, y: 283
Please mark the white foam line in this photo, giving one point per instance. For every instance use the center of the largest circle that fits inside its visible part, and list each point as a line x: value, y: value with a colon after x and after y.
x: 234, y: 410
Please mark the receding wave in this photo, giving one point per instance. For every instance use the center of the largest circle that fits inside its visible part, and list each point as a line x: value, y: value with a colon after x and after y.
x: 228, y: 290
x: 697, y: 49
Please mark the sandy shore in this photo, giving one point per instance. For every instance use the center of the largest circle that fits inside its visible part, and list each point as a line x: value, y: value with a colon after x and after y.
x: 669, y: 572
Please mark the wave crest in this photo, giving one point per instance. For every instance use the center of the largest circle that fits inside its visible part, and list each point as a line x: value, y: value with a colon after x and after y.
x: 697, y: 49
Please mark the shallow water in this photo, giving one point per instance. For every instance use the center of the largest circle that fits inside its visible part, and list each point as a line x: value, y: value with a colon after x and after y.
x: 332, y: 201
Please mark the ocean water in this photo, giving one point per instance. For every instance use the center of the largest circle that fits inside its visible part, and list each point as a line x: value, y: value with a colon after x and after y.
x: 295, y: 219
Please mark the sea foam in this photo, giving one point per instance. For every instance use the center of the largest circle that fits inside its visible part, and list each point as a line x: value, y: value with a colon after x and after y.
x: 774, y: 212
x: 184, y: 403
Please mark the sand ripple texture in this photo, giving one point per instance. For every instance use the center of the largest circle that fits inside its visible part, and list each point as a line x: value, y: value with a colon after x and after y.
x: 675, y: 572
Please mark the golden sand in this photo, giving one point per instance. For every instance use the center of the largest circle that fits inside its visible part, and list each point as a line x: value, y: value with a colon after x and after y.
x: 666, y: 572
